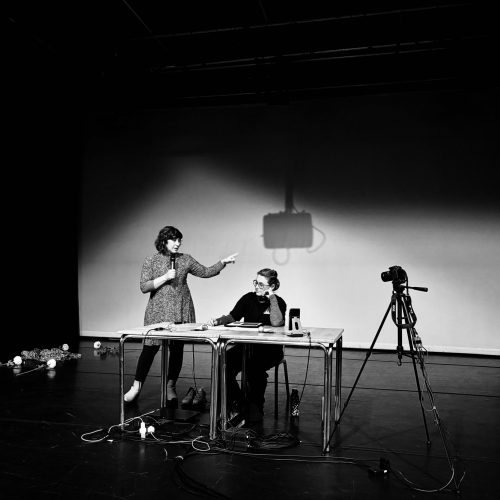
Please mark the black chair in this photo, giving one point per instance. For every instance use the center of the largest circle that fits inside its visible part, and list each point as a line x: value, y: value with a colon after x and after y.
x: 285, y: 371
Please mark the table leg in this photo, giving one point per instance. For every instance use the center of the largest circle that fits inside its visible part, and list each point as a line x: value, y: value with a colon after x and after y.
x: 164, y: 372
x: 223, y: 383
x: 122, y: 371
x: 214, y: 391
x: 327, y: 412
x: 338, y: 378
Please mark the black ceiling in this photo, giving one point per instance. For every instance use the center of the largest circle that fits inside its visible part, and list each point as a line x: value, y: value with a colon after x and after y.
x: 160, y: 53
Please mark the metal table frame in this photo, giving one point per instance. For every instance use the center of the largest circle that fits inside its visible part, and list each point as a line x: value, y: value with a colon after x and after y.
x: 219, y: 338
x: 317, y: 339
x: 188, y: 336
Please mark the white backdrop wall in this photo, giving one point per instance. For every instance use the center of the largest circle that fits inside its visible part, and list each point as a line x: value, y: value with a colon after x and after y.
x: 389, y: 180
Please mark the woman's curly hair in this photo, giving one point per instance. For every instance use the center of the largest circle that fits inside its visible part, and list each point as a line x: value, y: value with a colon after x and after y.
x: 166, y: 233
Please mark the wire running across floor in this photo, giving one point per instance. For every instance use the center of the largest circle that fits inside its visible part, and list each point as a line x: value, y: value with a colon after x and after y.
x: 61, y: 437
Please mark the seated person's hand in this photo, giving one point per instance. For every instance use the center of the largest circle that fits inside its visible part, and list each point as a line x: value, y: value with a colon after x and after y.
x: 212, y: 322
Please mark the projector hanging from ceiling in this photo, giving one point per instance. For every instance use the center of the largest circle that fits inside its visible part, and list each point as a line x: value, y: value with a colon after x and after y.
x: 288, y: 229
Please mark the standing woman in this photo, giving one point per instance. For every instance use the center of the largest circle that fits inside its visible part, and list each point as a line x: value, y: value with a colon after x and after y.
x: 164, y: 277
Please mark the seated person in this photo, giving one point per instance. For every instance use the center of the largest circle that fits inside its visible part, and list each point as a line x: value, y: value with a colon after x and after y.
x: 264, y: 306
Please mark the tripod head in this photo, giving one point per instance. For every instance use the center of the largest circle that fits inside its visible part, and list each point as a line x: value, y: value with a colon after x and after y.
x: 399, y: 279
x: 400, y: 288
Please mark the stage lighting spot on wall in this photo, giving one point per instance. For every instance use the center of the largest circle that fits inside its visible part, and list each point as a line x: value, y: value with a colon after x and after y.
x: 288, y: 230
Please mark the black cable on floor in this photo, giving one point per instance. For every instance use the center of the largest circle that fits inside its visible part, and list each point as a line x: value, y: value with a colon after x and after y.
x: 186, y: 482
x: 307, y: 368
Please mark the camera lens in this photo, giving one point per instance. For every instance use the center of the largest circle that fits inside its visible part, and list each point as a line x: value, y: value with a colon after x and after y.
x: 386, y: 276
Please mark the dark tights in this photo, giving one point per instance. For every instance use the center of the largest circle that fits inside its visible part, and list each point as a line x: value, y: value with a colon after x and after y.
x: 260, y: 358
x: 176, y: 349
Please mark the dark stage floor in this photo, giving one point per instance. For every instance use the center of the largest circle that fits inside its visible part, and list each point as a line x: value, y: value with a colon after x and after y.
x: 45, y: 414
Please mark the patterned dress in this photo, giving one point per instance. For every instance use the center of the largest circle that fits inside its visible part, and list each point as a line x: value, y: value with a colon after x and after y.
x: 172, y: 301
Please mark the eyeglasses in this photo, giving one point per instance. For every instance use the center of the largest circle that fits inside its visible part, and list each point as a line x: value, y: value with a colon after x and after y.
x: 260, y: 285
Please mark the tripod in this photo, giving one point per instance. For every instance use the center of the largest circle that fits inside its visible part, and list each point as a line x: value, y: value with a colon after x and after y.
x: 404, y: 318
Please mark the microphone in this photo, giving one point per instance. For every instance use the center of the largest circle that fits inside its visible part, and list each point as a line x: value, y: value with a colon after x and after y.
x: 172, y: 261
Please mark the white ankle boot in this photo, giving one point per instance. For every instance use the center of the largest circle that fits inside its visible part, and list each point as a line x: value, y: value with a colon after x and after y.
x: 133, y: 392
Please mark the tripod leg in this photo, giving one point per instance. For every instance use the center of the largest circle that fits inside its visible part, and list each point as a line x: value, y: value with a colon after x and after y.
x: 414, y: 351
x: 420, y: 398
x: 410, y: 331
x: 399, y: 348
x: 368, y: 354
